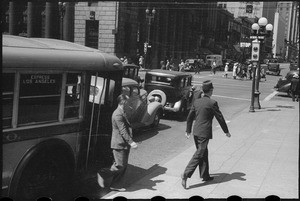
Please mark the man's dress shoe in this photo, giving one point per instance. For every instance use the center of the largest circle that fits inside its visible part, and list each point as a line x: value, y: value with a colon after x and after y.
x: 208, y: 179
x: 183, y: 181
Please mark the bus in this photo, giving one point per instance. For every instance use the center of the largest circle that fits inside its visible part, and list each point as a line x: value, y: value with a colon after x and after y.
x: 214, y: 57
x: 53, y: 127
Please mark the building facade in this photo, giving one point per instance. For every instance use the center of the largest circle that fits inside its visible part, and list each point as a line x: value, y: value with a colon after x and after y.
x: 251, y: 9
x: 173, y: 31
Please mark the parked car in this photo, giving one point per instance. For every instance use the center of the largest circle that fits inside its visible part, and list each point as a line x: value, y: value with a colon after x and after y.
x: 284, y: 84
x: 294, y: 65
x: 132, y: 71
x: 174, y: 90
x: 140, y: 111
x: 273, y: 67
x: 190, y: 65
x: 280, y: 59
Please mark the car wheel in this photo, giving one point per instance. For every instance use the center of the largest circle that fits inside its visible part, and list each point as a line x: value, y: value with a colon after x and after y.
x: 156, y: 119
x: 157, y: 93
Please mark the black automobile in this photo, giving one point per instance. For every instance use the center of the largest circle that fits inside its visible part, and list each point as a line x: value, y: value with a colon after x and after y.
x: 294, y: 65
x: 132, y: 71
x: 172, y: 88
x: 284, y: 84
x: 273, y: 67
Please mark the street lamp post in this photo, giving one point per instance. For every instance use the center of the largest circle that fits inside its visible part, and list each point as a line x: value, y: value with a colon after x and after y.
x: 261, y: 30
x: 62, y: 11
x: 149, y: 17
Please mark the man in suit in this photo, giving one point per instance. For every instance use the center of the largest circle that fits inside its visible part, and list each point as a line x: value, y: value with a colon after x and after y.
x: 121, y: 142
x: 203, y: 111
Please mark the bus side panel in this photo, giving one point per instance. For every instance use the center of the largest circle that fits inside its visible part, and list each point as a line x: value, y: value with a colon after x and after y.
x: 13, y: 153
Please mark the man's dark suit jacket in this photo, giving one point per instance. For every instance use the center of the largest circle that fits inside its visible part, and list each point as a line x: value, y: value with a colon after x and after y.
x: 121, y: 130
x: 203, y: 111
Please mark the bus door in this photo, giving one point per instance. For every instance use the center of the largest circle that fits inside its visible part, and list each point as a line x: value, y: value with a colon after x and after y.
x: 101, y: 105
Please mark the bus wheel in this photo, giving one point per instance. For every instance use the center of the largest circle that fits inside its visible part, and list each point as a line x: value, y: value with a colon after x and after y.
x: 45, y: 176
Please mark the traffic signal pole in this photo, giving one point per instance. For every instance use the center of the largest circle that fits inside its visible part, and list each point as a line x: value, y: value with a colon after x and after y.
x: 256, y: 72
x: 254, y: 65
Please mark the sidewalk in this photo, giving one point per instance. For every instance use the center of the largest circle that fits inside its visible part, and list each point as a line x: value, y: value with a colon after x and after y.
x: 260, y: 159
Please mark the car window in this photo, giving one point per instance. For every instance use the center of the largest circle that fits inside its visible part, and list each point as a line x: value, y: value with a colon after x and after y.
x: 126, y: 91
x: 182, y: 82
x: 135, y: 91
x: 155, y: 79
x: 189, y: 81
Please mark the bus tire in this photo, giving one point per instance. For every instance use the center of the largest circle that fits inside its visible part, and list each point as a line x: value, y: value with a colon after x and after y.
x: 46, y: 174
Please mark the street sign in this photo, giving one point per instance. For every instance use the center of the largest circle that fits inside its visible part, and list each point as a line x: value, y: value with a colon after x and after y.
x: 253, y: 37
x: 261, y: 37
x: 244, y: 44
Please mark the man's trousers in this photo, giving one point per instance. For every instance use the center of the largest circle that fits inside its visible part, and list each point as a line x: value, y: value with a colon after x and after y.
x: 200, y: 158
x: 113, y: 174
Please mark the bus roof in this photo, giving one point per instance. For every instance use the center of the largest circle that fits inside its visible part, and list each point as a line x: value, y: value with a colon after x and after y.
x: 45, y: 53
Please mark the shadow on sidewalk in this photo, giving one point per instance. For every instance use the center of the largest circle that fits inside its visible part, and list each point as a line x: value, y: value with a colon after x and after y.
x: 91, y: 189
x: 275, y: 108
x: 135, y: 173
x: 221, y: 178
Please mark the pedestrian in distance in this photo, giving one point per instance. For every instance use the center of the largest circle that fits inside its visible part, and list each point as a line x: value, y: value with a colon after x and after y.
x: 141, y: 62
x: 213, y: 67
x: 263, y: 72
x: 162, y: 65
x: 181, y: 66
x: 234, y: 70
x: 125, y: 60
x: 226, y: 70
x: 198, y: 65
x: 250, y: 71
x: 168, y: 65
x: 203, y: 111
x: 295, y: 87
x: 121, y: 142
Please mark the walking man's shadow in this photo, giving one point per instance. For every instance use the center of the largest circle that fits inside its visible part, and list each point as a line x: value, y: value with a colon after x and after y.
x: 221, y: 178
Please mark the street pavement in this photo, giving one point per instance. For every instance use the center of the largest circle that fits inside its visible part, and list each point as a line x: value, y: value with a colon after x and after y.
x: 260, y: 159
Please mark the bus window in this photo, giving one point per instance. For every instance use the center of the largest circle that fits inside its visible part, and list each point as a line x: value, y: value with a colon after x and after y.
x: 98, y: 93
x: 7, y: 99
x: 72, y: 98
x: 39, y: 98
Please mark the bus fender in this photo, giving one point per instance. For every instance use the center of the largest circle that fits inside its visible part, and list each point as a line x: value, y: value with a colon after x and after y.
x: 50, y: 147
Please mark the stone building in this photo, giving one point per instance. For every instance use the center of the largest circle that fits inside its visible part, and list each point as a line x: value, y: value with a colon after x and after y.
x: 174, y: 30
